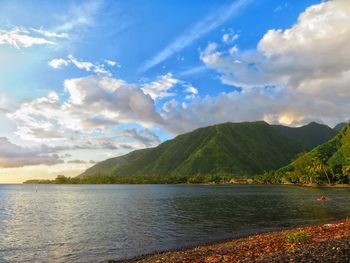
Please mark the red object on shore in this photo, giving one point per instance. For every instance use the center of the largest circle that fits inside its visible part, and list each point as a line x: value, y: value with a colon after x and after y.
x: 322, y: 198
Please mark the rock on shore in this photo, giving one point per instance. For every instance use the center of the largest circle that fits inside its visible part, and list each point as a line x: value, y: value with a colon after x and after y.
x: 322, y: 243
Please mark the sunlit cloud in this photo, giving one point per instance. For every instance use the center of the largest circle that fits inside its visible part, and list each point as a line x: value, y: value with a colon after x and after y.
x: 288, y: 59
x: 160, y: 88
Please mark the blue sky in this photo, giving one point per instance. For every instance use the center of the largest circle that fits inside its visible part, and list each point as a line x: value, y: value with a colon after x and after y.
x: 130, y: 74
x: 132, y: 32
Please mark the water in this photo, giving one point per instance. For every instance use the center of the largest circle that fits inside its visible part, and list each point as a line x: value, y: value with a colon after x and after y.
x: 94, y: 223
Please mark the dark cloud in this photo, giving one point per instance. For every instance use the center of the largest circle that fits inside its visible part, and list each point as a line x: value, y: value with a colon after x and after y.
x: 145, y: 136
x: 12, y: 156
x: 76, y: 161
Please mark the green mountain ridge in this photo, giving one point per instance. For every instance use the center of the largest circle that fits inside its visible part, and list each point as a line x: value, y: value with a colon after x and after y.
x: 246, y: 148
x: 310, y: 135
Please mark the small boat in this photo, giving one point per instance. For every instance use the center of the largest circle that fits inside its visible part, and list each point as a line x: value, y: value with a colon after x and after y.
x: 322, y: 198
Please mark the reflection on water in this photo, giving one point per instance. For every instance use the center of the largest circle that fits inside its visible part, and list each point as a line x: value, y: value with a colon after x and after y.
x: 93, y: 223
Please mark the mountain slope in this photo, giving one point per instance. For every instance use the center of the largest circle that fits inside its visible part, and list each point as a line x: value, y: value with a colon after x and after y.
x: 246, y: 148
x: 327, y: 163
x: 109, y: 165
x: 310, y: 135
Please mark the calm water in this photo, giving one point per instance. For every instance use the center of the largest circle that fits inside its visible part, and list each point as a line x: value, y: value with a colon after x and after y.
x: 99, y: 222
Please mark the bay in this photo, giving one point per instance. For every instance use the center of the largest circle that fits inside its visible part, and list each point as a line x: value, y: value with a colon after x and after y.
x: 94, y: 223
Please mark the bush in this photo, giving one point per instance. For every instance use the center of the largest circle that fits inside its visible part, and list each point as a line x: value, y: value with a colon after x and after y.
x: 298, y: 237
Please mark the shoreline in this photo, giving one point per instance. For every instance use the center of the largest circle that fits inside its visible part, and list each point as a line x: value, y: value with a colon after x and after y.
x: 261, y: 247
x: 324, y: 185
x: 209, y: 184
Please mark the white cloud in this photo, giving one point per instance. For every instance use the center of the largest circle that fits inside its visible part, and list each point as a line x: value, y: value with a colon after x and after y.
x: 88, y: 66
x: 80, y: 64
x: 58, y: 63
x: 210, y: 55
x: 233, y: 50
x: 203, y: 27
x: 273, y: 105
x: 193, y: 71
x: 230, y: 37
x: 191, y: 89
x: 94, y: 104
x: 19, y: 38
x: 49, y: 34
x: 112, y: 63
x: 159, y: 89
x: 310, y: 62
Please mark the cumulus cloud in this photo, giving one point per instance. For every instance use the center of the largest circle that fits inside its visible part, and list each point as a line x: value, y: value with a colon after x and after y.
x: 12, y: 155
x: 272, y: 104
x: 159, y: 89
x: 93, y: 104
x: 310, y: 62
x: 25, y: 38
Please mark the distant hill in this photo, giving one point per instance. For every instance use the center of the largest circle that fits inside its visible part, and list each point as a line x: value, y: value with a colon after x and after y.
x: 310, y: 135
x: 340, y: 126
x: 327, y: 163
x: 246, y: 148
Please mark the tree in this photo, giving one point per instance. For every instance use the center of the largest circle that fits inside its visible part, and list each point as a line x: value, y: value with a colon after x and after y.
x: 61, y: 179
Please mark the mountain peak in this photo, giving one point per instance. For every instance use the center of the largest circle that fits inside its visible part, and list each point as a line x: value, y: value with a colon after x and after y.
x: 309, y: 135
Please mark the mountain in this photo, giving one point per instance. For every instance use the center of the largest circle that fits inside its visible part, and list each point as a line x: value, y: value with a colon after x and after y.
x: 246, y: 148
x: 327, y: 163
x: 309, y: 135
x: 340, y: 126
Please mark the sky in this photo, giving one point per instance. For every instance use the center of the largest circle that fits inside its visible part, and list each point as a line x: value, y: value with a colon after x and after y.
x: 83, y: 81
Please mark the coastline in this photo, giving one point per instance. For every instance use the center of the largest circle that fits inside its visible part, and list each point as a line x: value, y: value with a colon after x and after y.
x: 204, y: 184
x: 324, y: 185
x: 328, y: 242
